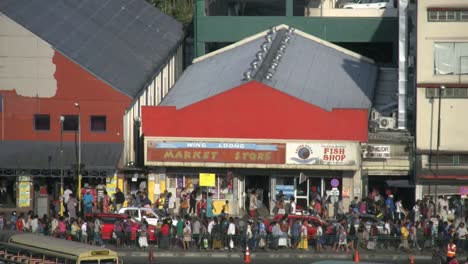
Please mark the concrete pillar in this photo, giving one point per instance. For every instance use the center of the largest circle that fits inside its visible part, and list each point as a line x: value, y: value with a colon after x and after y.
x: 347, y: 188
x: 353, y: 180
x: 199, y: 46
x: 289, y: 8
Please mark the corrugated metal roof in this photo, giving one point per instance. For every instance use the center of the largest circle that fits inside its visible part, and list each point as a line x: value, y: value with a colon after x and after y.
x: 310, y: 69
x: 122, y: 42
x: 46, y: 155
x: 212, y: 75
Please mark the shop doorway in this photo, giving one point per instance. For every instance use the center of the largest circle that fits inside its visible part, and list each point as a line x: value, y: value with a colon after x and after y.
x: 262, y: 185
x: 398, y: 186
x: 8, y: 192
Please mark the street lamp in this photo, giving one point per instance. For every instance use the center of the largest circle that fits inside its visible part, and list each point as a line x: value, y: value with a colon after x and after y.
x: 62, y: 118
x: 441, y: 90
x: 77, y: 105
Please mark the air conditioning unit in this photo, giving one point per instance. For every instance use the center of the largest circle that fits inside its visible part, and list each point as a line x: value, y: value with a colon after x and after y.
x: 387, y: 123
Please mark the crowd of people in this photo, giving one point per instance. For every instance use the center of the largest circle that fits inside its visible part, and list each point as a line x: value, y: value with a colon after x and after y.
x: 196, y: 224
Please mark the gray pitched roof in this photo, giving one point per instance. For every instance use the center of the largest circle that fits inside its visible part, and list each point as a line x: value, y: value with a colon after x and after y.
x: 122, y: 42
x: 310, y: 69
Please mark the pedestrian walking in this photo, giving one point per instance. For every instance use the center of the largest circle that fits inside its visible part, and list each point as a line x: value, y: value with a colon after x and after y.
x: 71, y: 206
x: 143, y: 238
x: 187, y: 233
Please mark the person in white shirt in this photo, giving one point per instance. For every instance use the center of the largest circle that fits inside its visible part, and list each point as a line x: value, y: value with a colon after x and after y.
x: 292, y: 206
x: 84, y: 233
x: 34, y: 225
x: 399, y: 209
x: 210, y: 226
x: 171, y: 204
x: 231, y: 232
x: 253, y: 204
x: 461, y: 233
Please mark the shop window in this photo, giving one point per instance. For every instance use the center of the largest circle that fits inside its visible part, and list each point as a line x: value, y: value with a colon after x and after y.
x: 450, y: 58
x: 223, y: 188
x: 98, y: 123
x: 286, y: 185
x: 70, y: 123
x: 42, y: 122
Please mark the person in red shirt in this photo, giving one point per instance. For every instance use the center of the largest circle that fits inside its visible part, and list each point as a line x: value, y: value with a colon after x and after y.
x: 20, y: 223
x: 165, y: 233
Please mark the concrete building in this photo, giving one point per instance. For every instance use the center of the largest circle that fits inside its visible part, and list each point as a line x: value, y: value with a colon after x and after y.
x: 69, y: 73
x: 442, y: 81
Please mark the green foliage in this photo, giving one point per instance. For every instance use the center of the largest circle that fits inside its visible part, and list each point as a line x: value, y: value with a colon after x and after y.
x: 182, y: 10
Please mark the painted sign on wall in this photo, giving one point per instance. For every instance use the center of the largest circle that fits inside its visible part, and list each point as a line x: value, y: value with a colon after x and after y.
x: 215, y: 152
x: 321, y: 153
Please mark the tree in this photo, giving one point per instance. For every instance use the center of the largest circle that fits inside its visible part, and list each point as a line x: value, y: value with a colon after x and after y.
x: 182, y: 10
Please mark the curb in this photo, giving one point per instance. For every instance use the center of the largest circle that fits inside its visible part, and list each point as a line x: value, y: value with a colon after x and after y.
x: 271, y: 255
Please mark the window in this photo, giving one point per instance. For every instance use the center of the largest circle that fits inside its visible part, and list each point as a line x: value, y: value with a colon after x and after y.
x: 447, y: 15
x: 450, y: 58
x: 447, y: 93
x: 70, y: 123
x: 464, y: 16
x: 1, y: 104
x: 98, y: 123
x: 42, y: 122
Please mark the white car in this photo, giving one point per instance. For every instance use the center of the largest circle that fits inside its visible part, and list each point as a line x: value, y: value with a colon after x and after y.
x: 362, y: 4
x: 141, y: 212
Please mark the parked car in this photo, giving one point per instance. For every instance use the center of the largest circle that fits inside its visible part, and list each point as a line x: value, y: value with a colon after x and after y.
x: 312, y: 222
x: 368, y: 220
x: 139, y: 212
x: 372, y: 4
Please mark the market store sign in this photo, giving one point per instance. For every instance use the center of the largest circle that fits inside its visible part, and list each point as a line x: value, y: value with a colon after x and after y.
x: 321, y: 153
x: 215, y: 152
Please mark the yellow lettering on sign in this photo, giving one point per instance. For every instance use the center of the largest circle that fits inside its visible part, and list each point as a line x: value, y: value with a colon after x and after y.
x: 168, y: 155
x: 252, y: 156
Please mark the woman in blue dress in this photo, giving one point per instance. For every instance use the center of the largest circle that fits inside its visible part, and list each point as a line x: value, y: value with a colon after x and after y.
x: 209, y: 205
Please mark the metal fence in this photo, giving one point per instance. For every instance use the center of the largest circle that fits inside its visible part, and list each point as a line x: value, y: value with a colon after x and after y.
x: 381, y: 243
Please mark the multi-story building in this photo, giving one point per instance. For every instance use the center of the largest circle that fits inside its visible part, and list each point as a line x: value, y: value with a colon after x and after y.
x: 69, y: 73
x: 442, y: 91
x: 370, y: 32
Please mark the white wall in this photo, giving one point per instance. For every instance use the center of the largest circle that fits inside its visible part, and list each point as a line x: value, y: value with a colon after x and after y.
x: 26, y: 64
x: 151, y: 96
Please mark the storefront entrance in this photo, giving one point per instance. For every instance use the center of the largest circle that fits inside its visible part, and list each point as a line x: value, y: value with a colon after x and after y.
x: 261, y: 184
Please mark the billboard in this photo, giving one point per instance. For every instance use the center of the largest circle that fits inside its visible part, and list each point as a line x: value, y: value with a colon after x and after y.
x: 327, y: 153
x: 215, y: 152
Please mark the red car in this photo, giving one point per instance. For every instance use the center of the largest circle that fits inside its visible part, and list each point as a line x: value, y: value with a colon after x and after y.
x: 108, y: 221
x: 311, y: 222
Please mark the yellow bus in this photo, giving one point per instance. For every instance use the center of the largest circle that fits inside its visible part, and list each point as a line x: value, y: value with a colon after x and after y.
x: 37, y: 249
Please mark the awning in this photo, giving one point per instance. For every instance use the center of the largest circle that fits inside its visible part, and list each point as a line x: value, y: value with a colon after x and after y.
x: 35, y: 155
